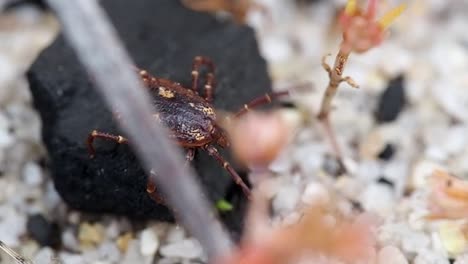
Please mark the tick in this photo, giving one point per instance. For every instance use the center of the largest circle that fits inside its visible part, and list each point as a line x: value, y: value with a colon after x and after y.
x: 190, y: 118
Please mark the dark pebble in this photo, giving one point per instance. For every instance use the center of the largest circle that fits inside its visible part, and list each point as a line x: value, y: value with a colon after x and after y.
x: 162, y: 37
x: 383, y: 180
x: 357, y: 206
x: 387, y: 152
x: 391, y: 101
x: 13, y: 4
x: 46, y: 233
x: 333, y: 166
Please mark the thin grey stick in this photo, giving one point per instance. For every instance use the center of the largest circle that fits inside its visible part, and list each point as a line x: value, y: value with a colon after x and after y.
x: 90, y: 32
x: 18, y: 258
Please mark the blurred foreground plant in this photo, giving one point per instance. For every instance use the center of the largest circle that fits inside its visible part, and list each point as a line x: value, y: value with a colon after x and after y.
x: 449, y: 196
x: 321, y: 233
x: 257, y: 139
x: 360, y: 34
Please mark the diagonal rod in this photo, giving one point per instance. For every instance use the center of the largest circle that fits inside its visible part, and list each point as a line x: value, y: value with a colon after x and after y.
x: 95, y: 41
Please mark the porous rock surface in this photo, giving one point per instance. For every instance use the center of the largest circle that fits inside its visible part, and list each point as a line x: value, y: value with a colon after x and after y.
x: 162, y: 37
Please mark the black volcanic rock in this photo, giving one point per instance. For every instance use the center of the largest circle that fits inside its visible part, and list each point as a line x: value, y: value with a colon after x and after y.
x: 162, y: 37
x: 391, y: 101
x: 46, y: 233
x: 387, y: 153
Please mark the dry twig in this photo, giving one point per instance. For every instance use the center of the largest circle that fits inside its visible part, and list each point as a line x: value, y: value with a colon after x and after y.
x: 360, y: 34
x: 18, y: 258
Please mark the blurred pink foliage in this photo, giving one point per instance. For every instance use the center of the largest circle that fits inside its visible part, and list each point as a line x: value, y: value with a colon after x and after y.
x: 257, y: 138
x: 449, y: 196
x: 361, y: 31
x: 320, y: 233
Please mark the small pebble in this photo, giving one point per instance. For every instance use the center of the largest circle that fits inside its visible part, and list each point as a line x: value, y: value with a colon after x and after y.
x: 391, y: 101
x: 90, y: 235
x: 12, y: 226
x: 450, y: 95
x: 333, y: 166
x: 43, y: 231
x: 416, y: 218
x: 414, y: 242
x: 170, y: 261
x: 52, y: 199
x: 187, y: 249
x: 175, y: 233
x: 372, y: 144
x: 286, y: 198
x: 124, y: 240
x: 44, y: 256
x: 455, y: 140
x: 149, y: 242
x: 396, y: 173
x: 29, y: 249
x: 369, y: 170
x: 453, y: 237
x: 133, y: 256
x: 391, y: 255
x: 291, y: 219
x: 436, y: 241
x: 276, y: 48
x: 422, y: 171
x: 69, y: 240
x: 399, y: 59
x: 377, y: 198
x: 109, y: 252
x: 6, y: 139
x: 384, y: 181
x: 32, y: 174
x: 387, y: 152
x: 427, y: 256
x: 113, y: 229
x: 462, y: 259
x: 68, y: 258
x: 315, y: 193
x: 91, y: 255
x: 161, y: 228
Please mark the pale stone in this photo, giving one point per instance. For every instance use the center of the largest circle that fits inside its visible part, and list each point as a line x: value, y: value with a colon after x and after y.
x: 149, y: 242
x: 315, y: 193
x: 187, y: 249
x: 391, y: 255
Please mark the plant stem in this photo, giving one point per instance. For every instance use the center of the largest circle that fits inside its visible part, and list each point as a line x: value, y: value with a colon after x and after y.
x: 335, y: 75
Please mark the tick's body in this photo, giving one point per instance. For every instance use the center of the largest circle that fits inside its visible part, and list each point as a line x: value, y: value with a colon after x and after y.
x: 189, y: 117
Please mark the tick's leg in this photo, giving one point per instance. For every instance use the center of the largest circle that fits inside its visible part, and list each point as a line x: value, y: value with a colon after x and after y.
x: 189, y: 156
x: 210, y: 77
x: 151, y: 190
x: 151, y: 185
x: 237, y: 179
x: 147, y: 78
x: 96, y: 134
x: 143, y: 74
x: 262, y: 100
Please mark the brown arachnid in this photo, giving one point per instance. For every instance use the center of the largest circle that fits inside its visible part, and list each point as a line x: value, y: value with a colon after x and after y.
x: 190, y: 118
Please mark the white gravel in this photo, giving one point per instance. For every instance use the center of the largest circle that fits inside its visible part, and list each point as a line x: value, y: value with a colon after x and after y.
x: 428, y: 45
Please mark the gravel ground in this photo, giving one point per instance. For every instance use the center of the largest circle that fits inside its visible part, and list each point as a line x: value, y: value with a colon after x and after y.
x: 389, y: 151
